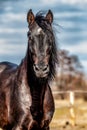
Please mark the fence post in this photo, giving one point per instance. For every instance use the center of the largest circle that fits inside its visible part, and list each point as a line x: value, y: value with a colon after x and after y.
x: 71, y: 110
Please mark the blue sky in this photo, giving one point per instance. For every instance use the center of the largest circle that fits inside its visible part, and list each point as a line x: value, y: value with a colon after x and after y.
x: 71, y: 15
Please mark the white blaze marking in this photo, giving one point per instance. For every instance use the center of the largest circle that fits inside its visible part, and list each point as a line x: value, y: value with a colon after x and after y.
x: 39, y: 30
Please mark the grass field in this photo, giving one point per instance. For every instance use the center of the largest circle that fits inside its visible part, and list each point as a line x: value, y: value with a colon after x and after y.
x: 63, y: 120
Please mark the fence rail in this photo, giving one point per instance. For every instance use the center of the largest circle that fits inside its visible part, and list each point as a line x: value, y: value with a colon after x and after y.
x: 72, y: 105
x: 76, y: 91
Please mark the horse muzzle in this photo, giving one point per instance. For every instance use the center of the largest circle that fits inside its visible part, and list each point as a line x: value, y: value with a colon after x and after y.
x: 41, y: 71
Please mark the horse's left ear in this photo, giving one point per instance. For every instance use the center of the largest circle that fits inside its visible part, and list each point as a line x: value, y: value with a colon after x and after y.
x: 30, y: 17
x: 49, y: 16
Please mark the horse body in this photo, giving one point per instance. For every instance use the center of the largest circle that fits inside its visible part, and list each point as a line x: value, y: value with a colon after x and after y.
x: 16, y: 100
x: 26, y: 101
x: 7, y: 70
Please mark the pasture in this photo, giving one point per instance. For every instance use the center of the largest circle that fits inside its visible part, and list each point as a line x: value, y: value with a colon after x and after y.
x: 62, y: 119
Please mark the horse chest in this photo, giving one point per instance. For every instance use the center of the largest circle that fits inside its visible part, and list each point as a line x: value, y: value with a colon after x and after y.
x: 25, y: 97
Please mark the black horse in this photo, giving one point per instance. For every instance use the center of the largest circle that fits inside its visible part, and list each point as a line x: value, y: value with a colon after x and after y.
x: 26, y: 101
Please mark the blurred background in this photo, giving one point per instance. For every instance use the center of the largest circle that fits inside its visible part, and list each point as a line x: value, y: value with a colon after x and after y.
x: 70, y: 26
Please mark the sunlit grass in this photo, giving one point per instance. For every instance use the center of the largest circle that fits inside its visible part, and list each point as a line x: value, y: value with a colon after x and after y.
x: 62, y: 117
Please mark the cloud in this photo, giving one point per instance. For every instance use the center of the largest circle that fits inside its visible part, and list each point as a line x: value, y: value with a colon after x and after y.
x: 9, y: 17
x: 70, y: 14
x: 12, y: 30
x: 74, y: 1
x: 80, y: 48
x: 84, y: 64
x: 11, y: 49
x: 47, y: 2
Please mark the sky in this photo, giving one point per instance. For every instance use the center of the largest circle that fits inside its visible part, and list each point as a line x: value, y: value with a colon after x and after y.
x: 71, y: 30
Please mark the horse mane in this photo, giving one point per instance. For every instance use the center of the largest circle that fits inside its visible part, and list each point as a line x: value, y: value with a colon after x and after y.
x: 47, y: 27
x: 42, y: 21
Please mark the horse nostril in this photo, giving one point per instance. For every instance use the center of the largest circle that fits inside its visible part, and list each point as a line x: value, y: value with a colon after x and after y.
x: 40, y: 68
x: 36, y: 67
x: 45, y: 67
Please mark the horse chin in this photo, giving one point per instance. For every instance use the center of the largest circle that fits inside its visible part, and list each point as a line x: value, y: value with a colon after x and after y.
x: 41, y: 75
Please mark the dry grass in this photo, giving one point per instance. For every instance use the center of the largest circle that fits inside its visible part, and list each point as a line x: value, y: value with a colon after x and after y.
x: 63, y: 120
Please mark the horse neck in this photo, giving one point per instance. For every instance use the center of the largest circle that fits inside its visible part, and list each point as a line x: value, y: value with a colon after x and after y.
x: 36, y: 86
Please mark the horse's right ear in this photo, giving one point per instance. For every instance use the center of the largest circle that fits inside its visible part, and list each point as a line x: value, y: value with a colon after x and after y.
x: 30, y: 17
x: 49, y: 16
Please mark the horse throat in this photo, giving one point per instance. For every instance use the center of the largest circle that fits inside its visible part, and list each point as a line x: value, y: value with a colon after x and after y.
x: 36, y: 109
x: 37, y: 89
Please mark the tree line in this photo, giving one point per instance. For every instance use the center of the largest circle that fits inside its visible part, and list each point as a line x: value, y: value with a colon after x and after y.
x: 70, y: 74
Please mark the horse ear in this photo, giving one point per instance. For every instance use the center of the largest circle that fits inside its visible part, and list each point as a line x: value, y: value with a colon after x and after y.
x: 49, y: 16
x: 30, y: 17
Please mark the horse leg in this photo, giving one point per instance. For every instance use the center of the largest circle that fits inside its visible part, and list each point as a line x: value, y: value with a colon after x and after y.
x: 46, y: 128
x: 33, y: 125
x: 19, y: 117
x: 48, y: 109
x: 17, y: 127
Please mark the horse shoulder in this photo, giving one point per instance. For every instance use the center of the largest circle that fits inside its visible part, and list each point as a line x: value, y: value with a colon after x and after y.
x: 20, y: 100
x: 25, y: 95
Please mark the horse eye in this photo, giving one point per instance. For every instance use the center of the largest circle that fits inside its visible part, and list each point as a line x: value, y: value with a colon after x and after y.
x: 30, y: 38
x: 28, y: 33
